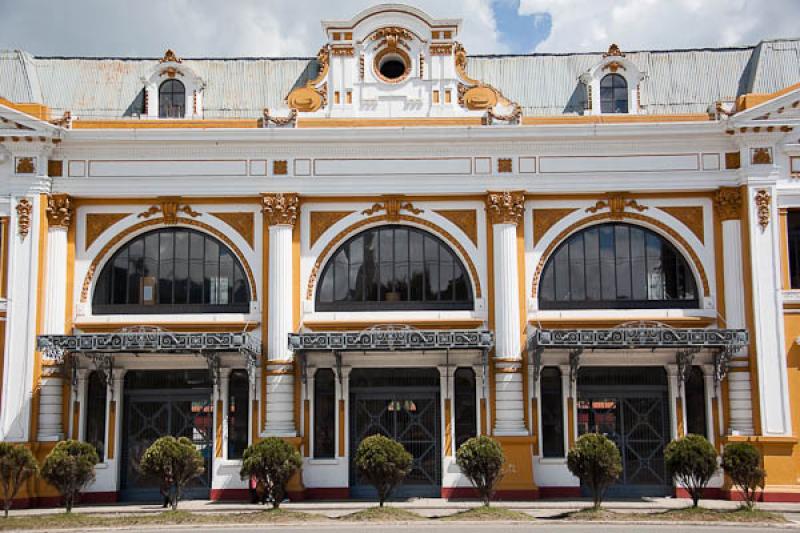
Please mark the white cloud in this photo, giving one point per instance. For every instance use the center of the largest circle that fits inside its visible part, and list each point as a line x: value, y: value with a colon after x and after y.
x: 591, y: 25
x: 197, y: 28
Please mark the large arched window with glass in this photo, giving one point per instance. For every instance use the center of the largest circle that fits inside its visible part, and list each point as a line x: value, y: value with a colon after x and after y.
x: 172, y: 99
x: 394, y: 268
x: 617, y: 266
x: 613, y: 94
x: 172, y: 270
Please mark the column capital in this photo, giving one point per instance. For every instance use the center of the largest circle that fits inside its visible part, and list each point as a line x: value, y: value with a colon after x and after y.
x: 280, y: 209
x: 505, y: 207
x: 59, y: 210
x: 728, y: 203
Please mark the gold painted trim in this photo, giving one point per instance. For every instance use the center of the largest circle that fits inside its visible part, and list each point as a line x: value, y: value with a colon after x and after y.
x: 242, y: 222
x: 544, y: 219
x: 97, y: 223
x: 320, y: 221
x: 112, y: 428
x: 323, y: 256
x: 465, y: 219
x: 119, y: 237
x: 689, y: 216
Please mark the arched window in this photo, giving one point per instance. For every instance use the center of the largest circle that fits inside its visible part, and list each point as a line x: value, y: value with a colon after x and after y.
x: 613, y: 94
x: 616, y: 266
x: 172, y: 270
x: 171, y: 99
x: 394, y: 267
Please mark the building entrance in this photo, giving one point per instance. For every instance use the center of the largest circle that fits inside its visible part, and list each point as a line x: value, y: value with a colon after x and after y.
x: 402, y: 404
x: 159, y: 403
x: 630, y: 406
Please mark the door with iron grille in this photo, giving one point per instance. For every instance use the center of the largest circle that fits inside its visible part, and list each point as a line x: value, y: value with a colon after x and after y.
x: 402, y: 404
x: 630, y: 407
x: 155, y: 412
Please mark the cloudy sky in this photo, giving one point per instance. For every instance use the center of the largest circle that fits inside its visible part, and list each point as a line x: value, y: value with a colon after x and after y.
x: 219, y: 28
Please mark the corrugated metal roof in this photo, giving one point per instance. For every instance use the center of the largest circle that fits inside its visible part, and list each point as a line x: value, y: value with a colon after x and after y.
x: 677, y: 81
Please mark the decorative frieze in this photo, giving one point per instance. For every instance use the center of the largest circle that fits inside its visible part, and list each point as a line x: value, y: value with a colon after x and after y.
x: 59, y: 211
x: 24, y: 208
x: 763, y: 201
x: 280, y: 209
x: 728, y: 203
x: 505, y: 207
x: 169, y: 207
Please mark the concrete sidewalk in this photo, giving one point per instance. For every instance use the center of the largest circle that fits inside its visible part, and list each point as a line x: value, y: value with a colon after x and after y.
x: 430, y: 507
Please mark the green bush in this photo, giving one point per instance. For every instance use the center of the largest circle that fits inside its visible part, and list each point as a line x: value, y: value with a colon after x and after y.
x: 596, y: 460
x: 692, y: 461
x: 742, y: 462
x: 481, y: 459
x: 174, y: 462
x: 272, y: 462
x: 384, y: 463
x: 69, y: 467
x: 17, y: 464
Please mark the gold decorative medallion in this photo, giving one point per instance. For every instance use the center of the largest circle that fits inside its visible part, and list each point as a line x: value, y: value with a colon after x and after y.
x: 24, y: 207
x: 616, y: 203
x: 97, y: 223
x: 732, y: 160
x: 544, y: 219
x: 25, y: 165
x: 690, y: 216
x: 465, y: 219
x: 392, y: 205
x: 169, y: 207
x: 55, y: 168
x: 59, y: 211
x: 761, y: 156
x: 728, y: 203
x: 320, y: 221
x: 243, y: 223
x: 280, y: 209
x: 505, y: 207
x: 763, y: 201
x: 280, y: 167
x: 504, y: 165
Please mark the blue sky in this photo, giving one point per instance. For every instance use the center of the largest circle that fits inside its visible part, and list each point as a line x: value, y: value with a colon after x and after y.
x: 521, y: 33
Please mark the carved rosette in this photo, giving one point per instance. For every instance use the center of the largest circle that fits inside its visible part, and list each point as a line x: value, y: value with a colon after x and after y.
x: 280, y: 209
x: 24, y: 208
x: 763, y: 201
x: 505, y: 207
x: 59, y: 211
x: 728, y: 203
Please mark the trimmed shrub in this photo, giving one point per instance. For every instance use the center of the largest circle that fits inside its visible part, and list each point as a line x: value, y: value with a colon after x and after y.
x: 384, y: 463
x: 692, y: 461
x: 481, y: 459
x: 271, y: 462
x: 596, y: 460
x: 742, y: 462
x: 69, y: 467
x: 174, y: 462
x: 17, y: 464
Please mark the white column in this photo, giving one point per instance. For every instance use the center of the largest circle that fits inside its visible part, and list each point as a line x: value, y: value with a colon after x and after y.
x: 708, y: 382
x: 224, y: 392
x: 568, y: 390
x: 773, y: 388
x: 59, y: 213
x: 672, y: 382
x: 344, y: 394
x: 728, y: 204
x: 309, y: 395
x: 83, y: 389
x: 280, y: 214
x: 478, y: 397
x: 505, y: 212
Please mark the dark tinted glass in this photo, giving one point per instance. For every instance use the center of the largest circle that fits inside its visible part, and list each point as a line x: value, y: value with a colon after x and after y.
x: 794, y: 248
x: 552, y: 408
x: 465, y: 405
x: 96, y: 413
x: 394, y: 267
x: 613, y: 94
x: 171, y: 99
x: 696, y: 402
x: 188, y: 272
x: 238, y: 413
x: 324, y: 413
x: 617, y: 266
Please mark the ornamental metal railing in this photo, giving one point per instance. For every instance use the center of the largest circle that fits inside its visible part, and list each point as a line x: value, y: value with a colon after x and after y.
x: 388, y: 338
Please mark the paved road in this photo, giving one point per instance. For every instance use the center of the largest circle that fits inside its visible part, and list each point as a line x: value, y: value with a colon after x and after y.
x: 471, y: 528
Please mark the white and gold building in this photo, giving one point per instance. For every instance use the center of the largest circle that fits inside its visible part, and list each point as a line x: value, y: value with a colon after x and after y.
x: 395, y: 237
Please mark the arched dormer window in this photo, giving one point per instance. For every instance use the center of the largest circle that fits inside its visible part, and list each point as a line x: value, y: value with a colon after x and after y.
x: 613, y: 94
x: 171, y: 99
x: 617, y: 266
x: 172, y: 270
x: 392, y: 268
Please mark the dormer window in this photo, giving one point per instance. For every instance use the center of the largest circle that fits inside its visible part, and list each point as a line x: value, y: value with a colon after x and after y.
x: 613, y: 94
x: 171, y: 99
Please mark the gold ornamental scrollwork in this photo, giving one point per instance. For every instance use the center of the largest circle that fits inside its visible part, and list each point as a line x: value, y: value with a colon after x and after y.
x: 314, y: 94
x: 392, y: 205
x: 616, y: 203
x: 763, y: 201
x: 728, y: 203
x: 169, y: 207
x: 59, y: 210
x: 24, y: 208
x: 506, y: 207
x: 280, y: 209
x: 170, y: 57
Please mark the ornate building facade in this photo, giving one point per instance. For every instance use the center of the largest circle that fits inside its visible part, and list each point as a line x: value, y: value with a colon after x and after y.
x: 396, y: 238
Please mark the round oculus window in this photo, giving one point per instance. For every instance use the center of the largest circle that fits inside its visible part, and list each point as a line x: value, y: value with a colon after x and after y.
x: 392, y: 66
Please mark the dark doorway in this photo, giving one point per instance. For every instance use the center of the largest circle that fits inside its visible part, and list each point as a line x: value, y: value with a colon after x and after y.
x: 403, y: 404
x: 630, y: 406
x: 159, y: 403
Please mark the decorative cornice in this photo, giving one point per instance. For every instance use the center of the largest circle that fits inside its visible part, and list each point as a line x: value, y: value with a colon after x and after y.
x: 392, y: 205
x: 59, y: 211
x: 24, y: 207
x: 506, y: 207
x: 728, y: 203
x: 616, y: 203
x: 280, y: 209
x: 169, y: 207
x: 763, y: 201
